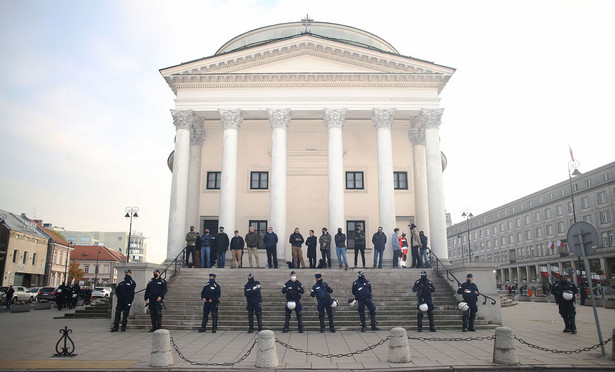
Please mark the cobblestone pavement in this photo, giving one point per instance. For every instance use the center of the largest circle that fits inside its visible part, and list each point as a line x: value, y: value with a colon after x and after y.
x: 28, y: 342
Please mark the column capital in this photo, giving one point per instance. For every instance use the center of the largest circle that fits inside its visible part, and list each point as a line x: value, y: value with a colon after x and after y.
x: 197, y: 132
x: 383, y: 118
x: 429, y: 118
x: 335, y: 118
x: 231, y: 119
x: 183, y: 119
x: 279, y: 118
x: 416, y: 134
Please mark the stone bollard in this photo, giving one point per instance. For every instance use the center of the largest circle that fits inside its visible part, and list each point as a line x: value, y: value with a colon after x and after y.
x: 399, y: 351
x: 504, y: 351
x: 162, y: 355
x: 266, y: 353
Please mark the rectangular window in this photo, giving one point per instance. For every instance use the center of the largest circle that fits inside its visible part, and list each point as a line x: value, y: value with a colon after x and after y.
x: 260, y: 228
x: 510, y: 239
x: 537, y: 217
x: 604, y: 217
x: 575, y: 187
x: 547, y: 214
x: 259, y: 180
x: 526, y: 220
x: 213, y: 180
x: 561, y: 227
x: 33, y: 259
x: 585, y: 202
x: 25, y: 257
x: 85, y: 239
x: 495, y: 230
x: 587, y: 218
x: 503, y: 240
x: 611, y: 239
x: 605, y: 177
x: 588, y: 182
x: 518, y: 222
x: 502, y: 227
x: 558, y: 210
x: 518, y: 237
x: 539, y: 233
x: 15, y: 254
x: 400, y: 180
x: 601, y: 197
x: 549, y: 229
x: 354, y: 181
x: 509, y: 224
x: 528, y: 235
x: 605, y: 239
x: 569, y: 207
x: 61, y: 258
x: 86, y: 268
x: 350, y: 231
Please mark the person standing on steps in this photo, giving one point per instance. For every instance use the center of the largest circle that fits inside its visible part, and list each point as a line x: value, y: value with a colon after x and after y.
x: 325, y: 248
x: 252, y: 291
x: 415, y: 245
x: 424, y: 288
x: 423, y: 261
x: 396, y: 248
x: 470, y: 293
x: 154, y: 297
x: 191, y: 247
x: 293, y: 291
x: 359, y: 245
x: 206, y: 240
x: 311, y: 243
x: 322, y: 292
x: 222, y: 243
x: 252, y: 244
x: 237, y: 245
x: 125, y: 293
x: 210, y: 295
x: 271, y: 240
x: 296, y: 241
x: 379, y: 240
x: 340, y: 248
x: 362, y: 292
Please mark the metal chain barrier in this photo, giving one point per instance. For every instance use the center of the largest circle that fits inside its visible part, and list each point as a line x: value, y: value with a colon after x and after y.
x: 330, y: 356
x: 227, y: 364
x: 577, y: 351
x: 452, y: 339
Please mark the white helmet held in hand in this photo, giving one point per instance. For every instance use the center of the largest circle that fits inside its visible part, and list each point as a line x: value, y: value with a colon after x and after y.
x: 463, y: 306
x: 423, y: 307
x: 568, y: 295
x: 291, y: 304
x: 334, y: 303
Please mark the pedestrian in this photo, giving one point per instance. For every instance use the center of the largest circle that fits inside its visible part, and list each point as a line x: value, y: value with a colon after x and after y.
x: 222, y: 243
x: 415, y: 244
x: 311, y: 243
x: 396, y: 248
x: 191, y: 247
x: 583, y: 291
x: 271, y: 240
x: 61, y: 295
x: 293, y: 291
x: 210, y: 295
x: 125, y: 293
x: 403, y: 243
x: 470, y: 293
x: 252, y: 244
x: 9, y: 296
x: 206, y: 240
x: 296, y: 241
x: 252, y: 291
x: 154, y: 298
x: 362, y: 292
x: 359, y: 245
x: 423, y: 260
x: 75, y: 290
x: 379, y: 240
x: 424, y: 288
x: 237, y: 245
x: 340, y: 248
x: 564, y: 292
x: 325, y: 248
x: 322, y: 292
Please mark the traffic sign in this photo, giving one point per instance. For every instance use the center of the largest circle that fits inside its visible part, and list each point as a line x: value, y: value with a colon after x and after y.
x: 585, y: 232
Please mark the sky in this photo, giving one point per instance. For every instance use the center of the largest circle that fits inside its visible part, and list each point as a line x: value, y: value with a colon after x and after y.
x: 85, y: 126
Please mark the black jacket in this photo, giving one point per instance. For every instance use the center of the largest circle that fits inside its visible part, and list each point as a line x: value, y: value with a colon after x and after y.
x: 222, y: 242
x: 155, y: 288
x: 340, y: 240
x: 125, y: 290
x: 211, y: 291
x: 423, y: 241
x: 362, y: 289
x: 237, y: 243
x: 379, y: 240
x: 359, y: 239
x: 252, y: 291
x: 311, y: 243
x: 270, y: 240
x: 293, y: 290
x: 423, y: 289
x: 321, y: 291
x: 293, y: 239
x: 470, y: 296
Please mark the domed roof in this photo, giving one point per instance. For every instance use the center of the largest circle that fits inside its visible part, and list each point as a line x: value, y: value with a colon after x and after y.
x: 334, y: 31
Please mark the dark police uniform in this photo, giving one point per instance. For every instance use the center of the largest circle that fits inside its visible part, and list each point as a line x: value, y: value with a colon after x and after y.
x: 293, y: 292
x: 566, y: 307
x: 470, y: 298
x: 423, y: 288
x: 157, y: 287
x: 322, y: 292
x: 211, y: 298
x: 125, y: 293
x: 60, y: 296
x: 362, y: 291
x: 252, y: 291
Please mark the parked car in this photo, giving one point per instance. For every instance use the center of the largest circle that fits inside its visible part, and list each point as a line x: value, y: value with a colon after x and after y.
x: 3, y: 295
x: 101, y: 292
x: 46, y: 294
x: 22, y: 295
x: 34, y: 291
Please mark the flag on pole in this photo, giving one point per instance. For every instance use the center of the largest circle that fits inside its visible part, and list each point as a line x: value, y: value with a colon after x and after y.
x: 559, y: 244
x: 550, y: 245
x: 571, y: 156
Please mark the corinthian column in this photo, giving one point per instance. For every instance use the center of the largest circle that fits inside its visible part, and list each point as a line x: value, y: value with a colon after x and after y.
x: 334, y: 121
x: 383, y: 121
x: 430, y: 120
x: 279, y: 120
x: 230, y: 119
x: 183, y: 121
x: 416, y: 134
x: 197, y: 136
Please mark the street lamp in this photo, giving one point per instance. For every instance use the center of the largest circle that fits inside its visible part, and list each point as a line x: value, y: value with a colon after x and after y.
x: 66, y: 265
x: 130, y: 213
x: 96, y: 270
x: 573, y: 170
x: 461, y: 243
x: 467, y: 215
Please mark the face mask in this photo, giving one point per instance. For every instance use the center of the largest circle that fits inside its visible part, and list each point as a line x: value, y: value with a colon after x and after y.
x: 293, y: 278
x: 211, y: 280
x: 469, y: 280
x: 251, y: 280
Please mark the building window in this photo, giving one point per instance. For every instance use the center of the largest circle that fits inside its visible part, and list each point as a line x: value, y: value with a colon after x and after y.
x: 587, y: 218
x: 549, y: 229
x: 15, y: 254
x: 509, y: 224
x: 503, y: 240
x: 539, y: 233
x: 601, y: 197
x: 25, y: 257
x: 85, y: 239
x: 259, y: 180
x: 260, y: 228
x: 604, y: 217
x: 350, y: 229
x: 518, y: 222
x: 528, y: 235
x: 550, y: 196
x: 86, y: 268
x: 575, y: 187
x: 547, y: 214
x: 354, y: 181
x: 558, y: 210
x: 611, y: 238
x: 526, y: 220
x: 561, y: 228
x: 495, y: 230
x: 61, y: 258
x: 537, y: 217
x: 400, y: 180
x: 33, y: 259
x: 605, y: 239
x: 605, y: 177
x: 510, y: 239
x: 569, y: 207
x: 585, y: 202
x: 213, y: 180
x: 588, y: 182
x: 519, y: 237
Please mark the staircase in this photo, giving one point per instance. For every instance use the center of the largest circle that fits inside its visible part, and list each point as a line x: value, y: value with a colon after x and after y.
x: 100, y: 308
x: 395, y: 302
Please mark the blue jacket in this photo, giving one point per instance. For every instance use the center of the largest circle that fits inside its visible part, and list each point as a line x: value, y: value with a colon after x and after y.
x: 270, y: 240
x: 211, y: 291
x: 321, y: 291
x: 206, y: 240
x: 469, y: 297
x: 362, y: 289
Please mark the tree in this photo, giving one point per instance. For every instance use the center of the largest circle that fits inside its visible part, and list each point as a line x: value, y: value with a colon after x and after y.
x: 74, y: 272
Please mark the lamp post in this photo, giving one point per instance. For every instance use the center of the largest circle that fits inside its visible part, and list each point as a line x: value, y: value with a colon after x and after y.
x: 573, y: 170
x: 66, y: 265
x: 130, y: 213
x: 461, y: 243
x: 467, y: 215
x: 96, y: 269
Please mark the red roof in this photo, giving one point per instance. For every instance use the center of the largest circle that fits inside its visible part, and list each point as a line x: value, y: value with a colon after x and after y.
x: 94, y: 252
x: 55, y: 236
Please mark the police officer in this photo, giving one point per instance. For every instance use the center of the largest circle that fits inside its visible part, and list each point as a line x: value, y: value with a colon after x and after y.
x: 470, y: 294
x: 252, y: 291
x: 423, y: 288
x: 75, y: 290
x: 60, y: 295
x: 293, y: 291
x: 322, y: 292
x: 362, y: 291
x: 154, y: 296
x: 211, y: 298
x: 125, y: 293
x: 566, y: 306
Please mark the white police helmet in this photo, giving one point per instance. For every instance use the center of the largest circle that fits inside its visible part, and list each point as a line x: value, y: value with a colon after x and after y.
x: 353, y: 303
x: 463, y: 306
x: 423, y: 307
x: 334, y: 303
x: 291, y: 304
x: 568, y: 295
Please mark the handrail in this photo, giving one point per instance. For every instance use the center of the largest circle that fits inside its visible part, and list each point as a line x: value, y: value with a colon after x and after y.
x: 174, y: 263
x: 449, y: 274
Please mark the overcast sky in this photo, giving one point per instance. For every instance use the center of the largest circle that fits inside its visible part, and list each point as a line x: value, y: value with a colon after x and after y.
x: 86, y: 128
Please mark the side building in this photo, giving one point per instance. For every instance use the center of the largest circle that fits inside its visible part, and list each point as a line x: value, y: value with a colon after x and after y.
x: 527, y: 237
x: 98, y: 263
x: 58, y: 252
x: 113, y: 240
